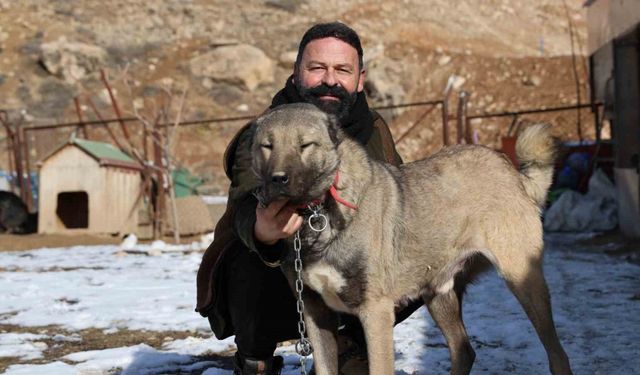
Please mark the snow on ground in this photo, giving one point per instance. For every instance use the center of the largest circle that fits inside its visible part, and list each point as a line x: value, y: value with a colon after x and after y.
x: 595, y: 302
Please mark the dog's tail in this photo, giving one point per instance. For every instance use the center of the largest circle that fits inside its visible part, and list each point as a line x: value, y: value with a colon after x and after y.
x: 536, y: 152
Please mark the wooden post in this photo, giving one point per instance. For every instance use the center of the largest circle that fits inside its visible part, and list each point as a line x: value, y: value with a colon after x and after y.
x: 11, y: 150
x: 445, y: 122
x: 460, y: 117
x: 159, y: 212
x: 17, y: 150
x: 445, y: 113
x: 27, y: 166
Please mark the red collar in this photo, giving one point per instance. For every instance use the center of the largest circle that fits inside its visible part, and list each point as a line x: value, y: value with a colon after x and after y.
x: 334, y: 193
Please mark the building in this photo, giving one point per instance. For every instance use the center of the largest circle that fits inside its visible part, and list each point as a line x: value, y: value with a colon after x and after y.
x: 88, y: 187
x: 614, y: 59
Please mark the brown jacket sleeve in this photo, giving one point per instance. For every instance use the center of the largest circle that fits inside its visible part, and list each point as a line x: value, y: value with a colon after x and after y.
x: 381, y: 145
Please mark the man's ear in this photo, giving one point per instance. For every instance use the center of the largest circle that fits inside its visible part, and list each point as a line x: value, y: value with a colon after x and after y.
x: 333, y: 127
x: 363, y: 75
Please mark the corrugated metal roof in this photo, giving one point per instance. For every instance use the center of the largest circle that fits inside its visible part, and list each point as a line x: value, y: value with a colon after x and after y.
x: 101, y: 150
x: 104, y: 153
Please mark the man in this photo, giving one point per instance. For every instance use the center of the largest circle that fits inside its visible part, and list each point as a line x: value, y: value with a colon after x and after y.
x: 240, y: 286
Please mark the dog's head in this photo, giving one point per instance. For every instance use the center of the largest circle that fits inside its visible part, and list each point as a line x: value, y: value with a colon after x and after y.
x: 294, y: 153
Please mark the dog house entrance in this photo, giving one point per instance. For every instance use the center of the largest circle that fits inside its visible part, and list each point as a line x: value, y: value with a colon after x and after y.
x: 73, y: 209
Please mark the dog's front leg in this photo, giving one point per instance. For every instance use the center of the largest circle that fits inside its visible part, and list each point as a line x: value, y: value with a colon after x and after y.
x: 377, y: 317
x: 322, y: 328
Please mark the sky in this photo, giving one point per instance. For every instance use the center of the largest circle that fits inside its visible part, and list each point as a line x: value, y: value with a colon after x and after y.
x: 595, y: 300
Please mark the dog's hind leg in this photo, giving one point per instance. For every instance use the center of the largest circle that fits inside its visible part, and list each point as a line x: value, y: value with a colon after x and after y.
x: 526, y: 280
x: 377, y: 319
x: 446, y: 311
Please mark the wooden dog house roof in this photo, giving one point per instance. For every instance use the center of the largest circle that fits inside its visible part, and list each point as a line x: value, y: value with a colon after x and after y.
x: 104, y: 153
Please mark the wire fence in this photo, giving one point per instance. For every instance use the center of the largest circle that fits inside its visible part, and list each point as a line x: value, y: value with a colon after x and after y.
x: 27, y: 144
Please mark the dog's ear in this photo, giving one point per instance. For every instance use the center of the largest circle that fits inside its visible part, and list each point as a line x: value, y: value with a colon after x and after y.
x: 335, y: 132
x: 243, y: 138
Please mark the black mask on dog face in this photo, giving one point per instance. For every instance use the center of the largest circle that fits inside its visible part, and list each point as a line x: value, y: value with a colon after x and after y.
x: 340, y: 108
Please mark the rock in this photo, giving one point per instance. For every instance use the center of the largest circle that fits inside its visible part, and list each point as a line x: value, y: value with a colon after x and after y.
x: 207, y: 83
x: 288, y: 59
x: 531, y: 81
x: 71, y: 61
x: 138, y: 103
x: 381, y: 84
x: 3, y: 35
x: 241, y: 65
x: 374, y: 53
x: 288, y: 5
x: 444, y: 60
x: 458, y: 81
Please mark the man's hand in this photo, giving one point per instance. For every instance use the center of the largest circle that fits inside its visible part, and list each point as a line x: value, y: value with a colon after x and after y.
x: 276, y: 221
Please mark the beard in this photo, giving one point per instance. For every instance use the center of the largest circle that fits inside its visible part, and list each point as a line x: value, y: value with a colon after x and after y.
x: 341, y: 108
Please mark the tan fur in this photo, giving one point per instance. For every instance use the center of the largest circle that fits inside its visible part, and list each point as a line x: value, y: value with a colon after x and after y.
x: 421, y: 230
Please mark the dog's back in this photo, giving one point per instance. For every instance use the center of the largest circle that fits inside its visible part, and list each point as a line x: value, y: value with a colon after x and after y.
x: 469, y: 200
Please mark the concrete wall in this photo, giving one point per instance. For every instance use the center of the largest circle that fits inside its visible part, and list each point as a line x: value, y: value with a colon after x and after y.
x: 615, y: 72
x: 607, y: 19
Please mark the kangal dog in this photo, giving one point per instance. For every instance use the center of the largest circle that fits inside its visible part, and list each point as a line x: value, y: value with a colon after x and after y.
x: 423, y: 230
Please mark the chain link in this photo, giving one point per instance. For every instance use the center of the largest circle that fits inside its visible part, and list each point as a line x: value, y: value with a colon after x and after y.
x: 303, y: 346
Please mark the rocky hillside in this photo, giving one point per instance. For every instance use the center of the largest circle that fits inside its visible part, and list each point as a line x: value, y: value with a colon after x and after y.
x: 231, y: 57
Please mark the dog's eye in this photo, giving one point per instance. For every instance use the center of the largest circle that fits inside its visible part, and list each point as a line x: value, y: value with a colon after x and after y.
x: 267, y: 146
x: 305, y: 145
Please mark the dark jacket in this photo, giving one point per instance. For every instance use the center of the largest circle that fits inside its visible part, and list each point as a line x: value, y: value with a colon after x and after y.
x: 234, y: 230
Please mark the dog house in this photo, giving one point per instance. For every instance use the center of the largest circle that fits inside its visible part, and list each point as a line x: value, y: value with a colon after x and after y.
x: 88, y: 187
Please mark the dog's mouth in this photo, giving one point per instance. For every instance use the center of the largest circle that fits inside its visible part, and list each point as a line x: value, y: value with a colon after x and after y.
x: 298, y: 191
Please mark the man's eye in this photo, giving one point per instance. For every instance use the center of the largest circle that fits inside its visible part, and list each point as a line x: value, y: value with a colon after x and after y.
x: 267, y: 146
x: 305, y: 145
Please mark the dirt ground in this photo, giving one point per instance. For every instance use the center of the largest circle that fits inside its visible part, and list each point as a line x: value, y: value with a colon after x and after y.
x: 96, y: 339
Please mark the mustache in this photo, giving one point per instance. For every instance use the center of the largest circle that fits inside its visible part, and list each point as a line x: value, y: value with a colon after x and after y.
x: 324, y: 89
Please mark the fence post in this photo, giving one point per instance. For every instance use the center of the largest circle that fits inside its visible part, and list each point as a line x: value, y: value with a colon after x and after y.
x: 27, y: 167
x: 461, y: 119
x: 445, y: 116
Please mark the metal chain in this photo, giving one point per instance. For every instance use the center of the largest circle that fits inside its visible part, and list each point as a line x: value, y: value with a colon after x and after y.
x: 303, y: 346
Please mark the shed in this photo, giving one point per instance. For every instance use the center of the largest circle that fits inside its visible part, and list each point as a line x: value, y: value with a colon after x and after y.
x: 614, y: 60
x: 88, y: 187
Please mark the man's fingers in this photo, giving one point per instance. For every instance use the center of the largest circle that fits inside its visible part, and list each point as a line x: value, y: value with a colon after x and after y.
x: 292, y: 225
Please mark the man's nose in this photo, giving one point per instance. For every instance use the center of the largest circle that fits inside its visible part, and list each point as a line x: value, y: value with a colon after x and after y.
x: 280, y: 178
x: 329, y: 78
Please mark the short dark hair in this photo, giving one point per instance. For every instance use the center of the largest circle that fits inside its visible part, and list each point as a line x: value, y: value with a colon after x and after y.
x: 336, y: 30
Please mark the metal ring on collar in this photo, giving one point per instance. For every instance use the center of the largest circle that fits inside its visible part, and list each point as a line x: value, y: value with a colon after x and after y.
x: 324, y: 224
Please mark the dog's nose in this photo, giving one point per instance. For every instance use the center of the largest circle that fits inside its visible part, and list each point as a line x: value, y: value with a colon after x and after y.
x: 280, y: 178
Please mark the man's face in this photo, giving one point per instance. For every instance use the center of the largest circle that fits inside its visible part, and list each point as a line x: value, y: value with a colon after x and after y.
x: 329, y: 76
